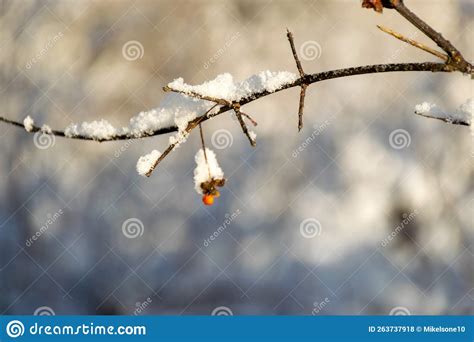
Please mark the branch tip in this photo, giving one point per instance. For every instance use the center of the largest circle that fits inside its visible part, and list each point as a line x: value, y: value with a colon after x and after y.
x: 412, y: 42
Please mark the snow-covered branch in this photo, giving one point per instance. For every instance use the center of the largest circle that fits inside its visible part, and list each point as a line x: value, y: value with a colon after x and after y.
x: 462, y: 116
x: 160, y: 120
x: 186, y: 107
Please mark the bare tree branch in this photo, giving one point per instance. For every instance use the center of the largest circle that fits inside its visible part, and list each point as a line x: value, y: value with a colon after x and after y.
x: 454, y: 62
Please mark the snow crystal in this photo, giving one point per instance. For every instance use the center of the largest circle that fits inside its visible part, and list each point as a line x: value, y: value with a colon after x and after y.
x: 46, y: 129
x: 467, y: 108
x: 424, y: 108
x: 96, y: 129
x: 204, y: 172
x: 146, y: 162
x: 178, y: 139
x: 463, y: 114
x: 29, y: 123
x: 224, y: 86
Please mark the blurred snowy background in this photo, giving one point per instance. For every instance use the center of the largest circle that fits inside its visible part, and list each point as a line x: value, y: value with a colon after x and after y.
x: 368, y: 210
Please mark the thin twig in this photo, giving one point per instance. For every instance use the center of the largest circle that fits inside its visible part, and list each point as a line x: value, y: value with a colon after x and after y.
x: 252, y: 120
x: 302, y: 75
x: 413, y: 43
x: 447, y: 119
x: 203, y: 144
x: 221, y: 102
x: 295, y: 55
x: 236, y: 107
x: 301, y: 106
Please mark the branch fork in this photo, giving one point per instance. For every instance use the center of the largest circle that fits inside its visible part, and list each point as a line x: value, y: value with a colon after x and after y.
x: 453, y: 61
x: 303, y: 84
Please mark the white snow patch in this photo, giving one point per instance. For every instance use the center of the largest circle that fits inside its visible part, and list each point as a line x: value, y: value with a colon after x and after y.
x: 253, y: 135
x: 224, y: 86
x: 463, y: 114
x: 29, y: 123
x: 146, y: 162
x: 203, y: 172
x: 99, y: 130
x: 175, y: 109
x: 424, y: 108
x: 46, y: 129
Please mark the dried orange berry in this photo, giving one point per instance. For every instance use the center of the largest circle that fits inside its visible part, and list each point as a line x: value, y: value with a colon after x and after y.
x: 208, y: 199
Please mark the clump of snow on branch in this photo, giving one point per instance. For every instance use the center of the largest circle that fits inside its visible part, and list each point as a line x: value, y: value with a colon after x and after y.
x: 463, y: 114
x: 46, y: 129
x: 174, y: 109
x: 29, y: 123
x: 252, y: 135
x: 179, y: 109
x: 205, y: 172
x: 101, y: 129
x: 146, y: 162
x: 224, y: 87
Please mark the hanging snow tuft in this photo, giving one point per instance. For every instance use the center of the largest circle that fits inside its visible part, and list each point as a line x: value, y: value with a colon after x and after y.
x: 206, y: 172
x: 147, y: 162
x: 29, y: 123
